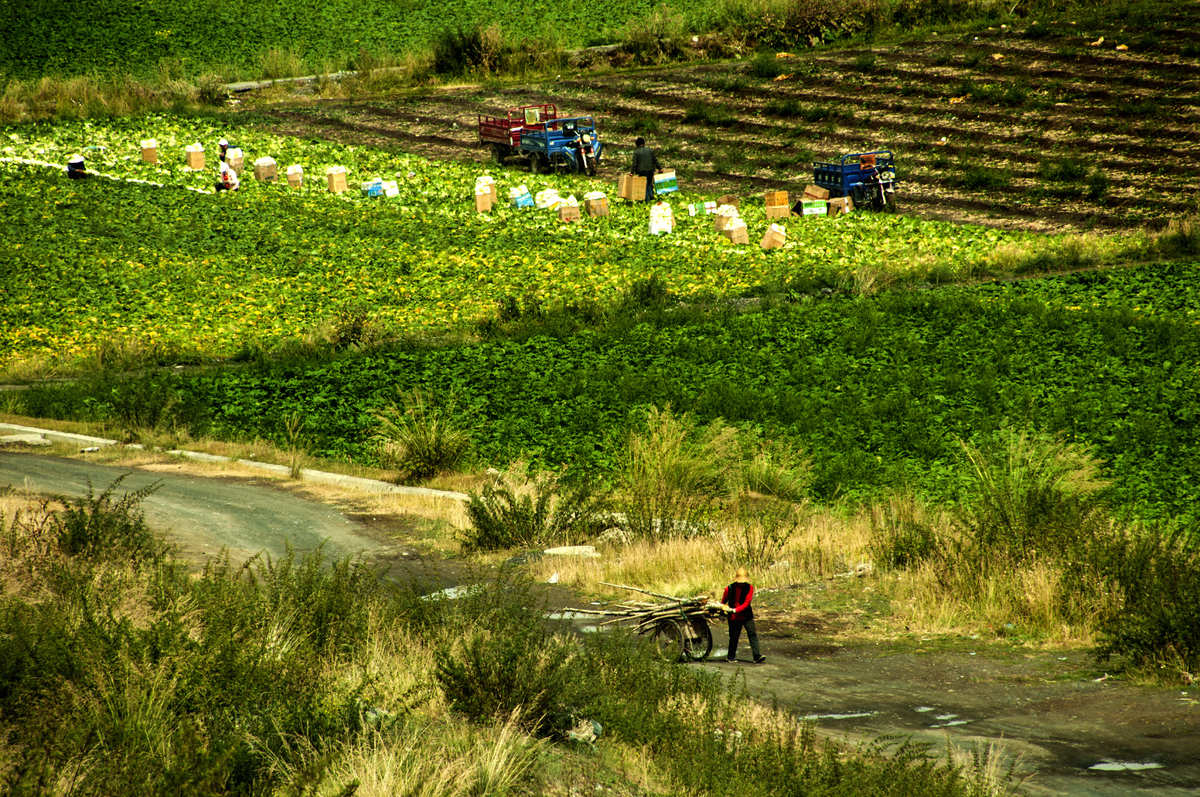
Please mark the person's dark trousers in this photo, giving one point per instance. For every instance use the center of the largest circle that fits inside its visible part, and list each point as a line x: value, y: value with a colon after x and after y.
x: 649, y: 184
x: 735, y: 631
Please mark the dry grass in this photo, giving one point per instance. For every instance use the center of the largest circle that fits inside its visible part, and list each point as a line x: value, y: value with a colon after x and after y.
x: 824, y: 543
x: 1027, y: 598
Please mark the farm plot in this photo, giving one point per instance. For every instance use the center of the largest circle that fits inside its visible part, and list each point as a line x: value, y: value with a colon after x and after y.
x: 1034, y: 128
x: 876, y: 390
x: 97, y: 264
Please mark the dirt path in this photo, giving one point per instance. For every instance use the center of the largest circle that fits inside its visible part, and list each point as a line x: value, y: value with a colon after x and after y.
x: 1043, y: 707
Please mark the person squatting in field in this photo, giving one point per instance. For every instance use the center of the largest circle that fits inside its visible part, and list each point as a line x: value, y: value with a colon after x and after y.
x: 737, y: 596
x: 227, y: 178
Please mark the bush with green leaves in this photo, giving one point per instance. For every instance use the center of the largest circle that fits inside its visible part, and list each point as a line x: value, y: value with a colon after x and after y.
x: 902, y: 535
x: 1029, y: 495
x: 544, y: 510
x: 674, y: 474
x: 1156, y: 576
x: 421, y: 438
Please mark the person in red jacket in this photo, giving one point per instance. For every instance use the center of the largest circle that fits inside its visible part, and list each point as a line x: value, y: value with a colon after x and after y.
x: 741, y: 615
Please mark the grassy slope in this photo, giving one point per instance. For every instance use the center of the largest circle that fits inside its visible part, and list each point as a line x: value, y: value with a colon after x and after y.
x: 200, y: 36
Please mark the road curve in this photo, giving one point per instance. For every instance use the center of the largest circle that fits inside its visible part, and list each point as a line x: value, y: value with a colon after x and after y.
x: 201, y: 515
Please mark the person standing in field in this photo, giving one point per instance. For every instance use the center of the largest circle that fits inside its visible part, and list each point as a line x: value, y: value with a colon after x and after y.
x: 741, y: 615
x: 645, y: 164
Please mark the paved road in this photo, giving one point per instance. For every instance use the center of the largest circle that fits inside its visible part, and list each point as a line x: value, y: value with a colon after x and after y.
x: 202, y: 515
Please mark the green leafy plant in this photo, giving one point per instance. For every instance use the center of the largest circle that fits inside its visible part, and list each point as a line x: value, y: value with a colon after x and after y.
x: 421, y: 438
x: 542, y: 511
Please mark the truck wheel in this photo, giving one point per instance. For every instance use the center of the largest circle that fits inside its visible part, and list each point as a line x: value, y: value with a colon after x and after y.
x: 499, y: 151
x: 535, y: 163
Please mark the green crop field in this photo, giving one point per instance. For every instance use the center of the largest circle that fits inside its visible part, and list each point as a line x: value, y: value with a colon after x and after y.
x: 103, y: 263
x: 195, y: 37
x: 876, y: 388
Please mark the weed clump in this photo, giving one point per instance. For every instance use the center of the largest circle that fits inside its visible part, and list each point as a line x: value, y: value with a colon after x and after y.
x: 421, y: 438
x: 542, y: 511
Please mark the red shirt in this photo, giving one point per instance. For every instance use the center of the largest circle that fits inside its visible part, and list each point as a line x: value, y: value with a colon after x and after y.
x: 738, y: 595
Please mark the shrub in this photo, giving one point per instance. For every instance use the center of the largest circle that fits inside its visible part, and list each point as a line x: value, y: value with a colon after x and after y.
x: 902, y: 535
x: 766, y: 65
x: 513, y: 667
x: 761, y: 532
x: 656, y: 37
x: 461, y: 50
x: 540, y: 512
x: 673, y: 474
x: 106, y: 526
x: 420, y: 438
x: 780, y: 471
x: 1029, y: 495
x: 1156, y: 574
x: 1181, y: 238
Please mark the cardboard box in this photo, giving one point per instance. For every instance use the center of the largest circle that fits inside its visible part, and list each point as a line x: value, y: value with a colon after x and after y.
x: 391, y: 188
x: 485, y: 184
x: 775, y: 198
x: 774, y: 237
x: 737, y: 235
x: 150, y: 150
x: 520, y: 197
x: 631, y: 187
x: 815, y: 192
x: 568, y: 213
x: 266, y: 170
x: 235, y: 159
x: 725, y: 216
x: 814, y: 207
x: 483, y: 201
x: 778, y: 211
x: 336, y: 176
x: 728, y: 199
x: 372, y: 187
x: 596, y: 207
x: 665, y: 182
x: 662, y: 219
x: 295, y: 175
x: 839, y: 205
x: 194, y: 157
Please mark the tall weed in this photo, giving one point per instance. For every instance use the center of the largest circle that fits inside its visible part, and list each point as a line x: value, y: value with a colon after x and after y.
x: 674, y: 474
x: 542, y: 511
x: 421, y: 438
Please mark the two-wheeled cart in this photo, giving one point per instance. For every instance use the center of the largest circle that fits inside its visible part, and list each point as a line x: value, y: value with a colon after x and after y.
x: 679, y: 626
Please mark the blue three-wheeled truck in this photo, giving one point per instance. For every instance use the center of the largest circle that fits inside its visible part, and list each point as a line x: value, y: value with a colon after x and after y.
x: 869, y: 178
x: 548, y: 141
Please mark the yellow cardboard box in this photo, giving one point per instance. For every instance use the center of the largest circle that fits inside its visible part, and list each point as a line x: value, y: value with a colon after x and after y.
x: 774, y: 237
x: 336, y: 175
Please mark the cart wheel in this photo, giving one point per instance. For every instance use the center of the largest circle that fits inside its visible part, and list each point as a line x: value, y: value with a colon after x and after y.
x: 564, y: 163
x: 699, y: 641
x: 668, y: 640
